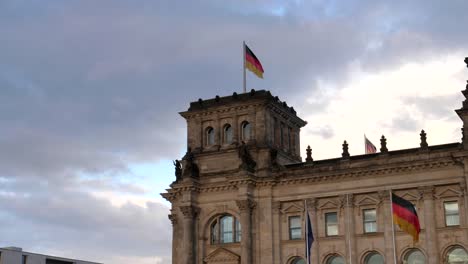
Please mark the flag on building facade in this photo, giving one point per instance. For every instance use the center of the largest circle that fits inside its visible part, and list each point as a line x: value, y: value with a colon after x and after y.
x: 252, y: 63
x: 369, y: 147
x: 309, y: 236
x: 405, y: 216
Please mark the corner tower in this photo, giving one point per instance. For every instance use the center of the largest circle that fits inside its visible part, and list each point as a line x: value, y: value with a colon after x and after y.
x: 217, y: 128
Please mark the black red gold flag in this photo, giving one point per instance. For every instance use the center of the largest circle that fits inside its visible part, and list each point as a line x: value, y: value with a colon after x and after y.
x: 405, y: 216
x: 253, y: 63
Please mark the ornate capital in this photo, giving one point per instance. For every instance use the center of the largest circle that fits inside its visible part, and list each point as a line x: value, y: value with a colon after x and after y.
x: 189, y: 211
x: 311, y: 203
x: 384, y: 196
x: 173, y: 219
x: 426, y: 192
x: 245, y: 205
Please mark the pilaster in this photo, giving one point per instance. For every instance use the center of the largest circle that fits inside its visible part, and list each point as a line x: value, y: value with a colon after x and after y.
x: 427, y: 193
x: 189, y: 213
x: 312, y: 206
x: 245, y: 207
x: 388, y: 232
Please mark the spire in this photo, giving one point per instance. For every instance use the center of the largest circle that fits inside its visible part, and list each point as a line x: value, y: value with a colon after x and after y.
x: 345, y: 153
x: 383, y: 144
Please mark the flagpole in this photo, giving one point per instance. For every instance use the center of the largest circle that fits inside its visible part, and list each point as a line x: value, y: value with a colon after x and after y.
x: 393, y: 227
x: 306, y: 232
x: 243, y: 56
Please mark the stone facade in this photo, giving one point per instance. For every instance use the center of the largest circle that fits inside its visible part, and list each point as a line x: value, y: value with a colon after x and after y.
x: 235, y: 211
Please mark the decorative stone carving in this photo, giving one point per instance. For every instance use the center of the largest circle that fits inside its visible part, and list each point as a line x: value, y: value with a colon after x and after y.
x: 345, y: 153
x: 222, y: 255
x: 309, y: 155
x: 311, y: 203
x: 178, y: 170
x: 189, y: 211
x: 190, y: 168
x: 245, y: 205
x: 173, y: 219
x: 248, y: 163
x: 426, y: 192
x: 383, y: 144
x: 384, y: 195
x: 423, y: 143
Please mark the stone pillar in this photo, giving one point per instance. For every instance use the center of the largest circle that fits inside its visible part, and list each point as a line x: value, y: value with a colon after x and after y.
x: 349, y: 227
x: 189, y: 213
x: 314, y: 253
x: 245, y: 207
x: 388, y: 236
x: 173, y: 219
x: 430, y: 238
x: 235, y: 129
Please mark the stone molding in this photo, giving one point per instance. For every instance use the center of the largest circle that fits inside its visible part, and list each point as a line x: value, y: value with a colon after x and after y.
x: 173, y: 219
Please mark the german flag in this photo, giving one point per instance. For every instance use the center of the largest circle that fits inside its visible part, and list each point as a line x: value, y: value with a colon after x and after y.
x: 405, y: 216
x: 252, y: 63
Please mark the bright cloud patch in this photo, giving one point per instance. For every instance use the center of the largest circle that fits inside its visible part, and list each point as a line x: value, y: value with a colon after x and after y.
x: 397, y: 104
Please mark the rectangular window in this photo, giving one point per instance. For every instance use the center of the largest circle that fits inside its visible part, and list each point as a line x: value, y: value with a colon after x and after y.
x: 24, y: 259
x: 295, y: 227
x: 331, y: 222
x: 452, y: 216
x: 370, y: 220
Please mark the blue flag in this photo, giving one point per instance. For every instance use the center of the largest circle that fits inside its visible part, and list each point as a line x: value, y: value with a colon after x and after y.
x: 310, y: 236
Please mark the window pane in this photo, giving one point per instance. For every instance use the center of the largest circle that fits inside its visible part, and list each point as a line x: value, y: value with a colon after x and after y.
x: 370, y: 223
x: 416, y: 257
x: 228, y: 134
x: 331, y: 224
x: 370, y: 215
x: 246, y: 129
x: 210, y: 136
x: 458, y: 256
x: 226, y: 229
x: 298, y: 260
x: 336, y: 260
x: 452, y: 217
x: 374, y: 258
x: 295, y: 227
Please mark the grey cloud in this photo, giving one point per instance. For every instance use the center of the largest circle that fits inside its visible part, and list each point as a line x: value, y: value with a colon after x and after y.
x: 436, y: 107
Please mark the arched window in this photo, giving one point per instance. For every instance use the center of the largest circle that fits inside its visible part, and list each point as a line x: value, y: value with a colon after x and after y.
x: 374, y: 258
x: 210, y: 136
x: 457, y: 256
x: 335, y: 260
x: 297, y: 260
x: 415, y: 257
x: 246, y: 131
x: 227, y: 139
x: 225, y: 229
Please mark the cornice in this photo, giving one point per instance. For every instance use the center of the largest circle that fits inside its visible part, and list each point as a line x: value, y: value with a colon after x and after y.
x: 307, y: 175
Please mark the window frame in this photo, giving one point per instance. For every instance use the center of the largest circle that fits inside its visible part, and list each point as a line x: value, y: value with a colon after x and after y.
x: 457, y: 214
x: 364, y: 221
x: 216, y: 231
x: 327, y: 224
x: 290, y: 228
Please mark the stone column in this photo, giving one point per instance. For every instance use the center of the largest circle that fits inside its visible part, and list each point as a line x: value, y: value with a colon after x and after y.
x: 388, y: 236
x: 189, y: 213
x: 430, y: 238
x: 245, y: 207
x: 314, y: 253
x: 349, y: 227
x: 173, y: 219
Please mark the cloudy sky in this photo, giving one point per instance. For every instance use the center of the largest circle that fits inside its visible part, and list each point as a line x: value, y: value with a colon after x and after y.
x: 90, y: 93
